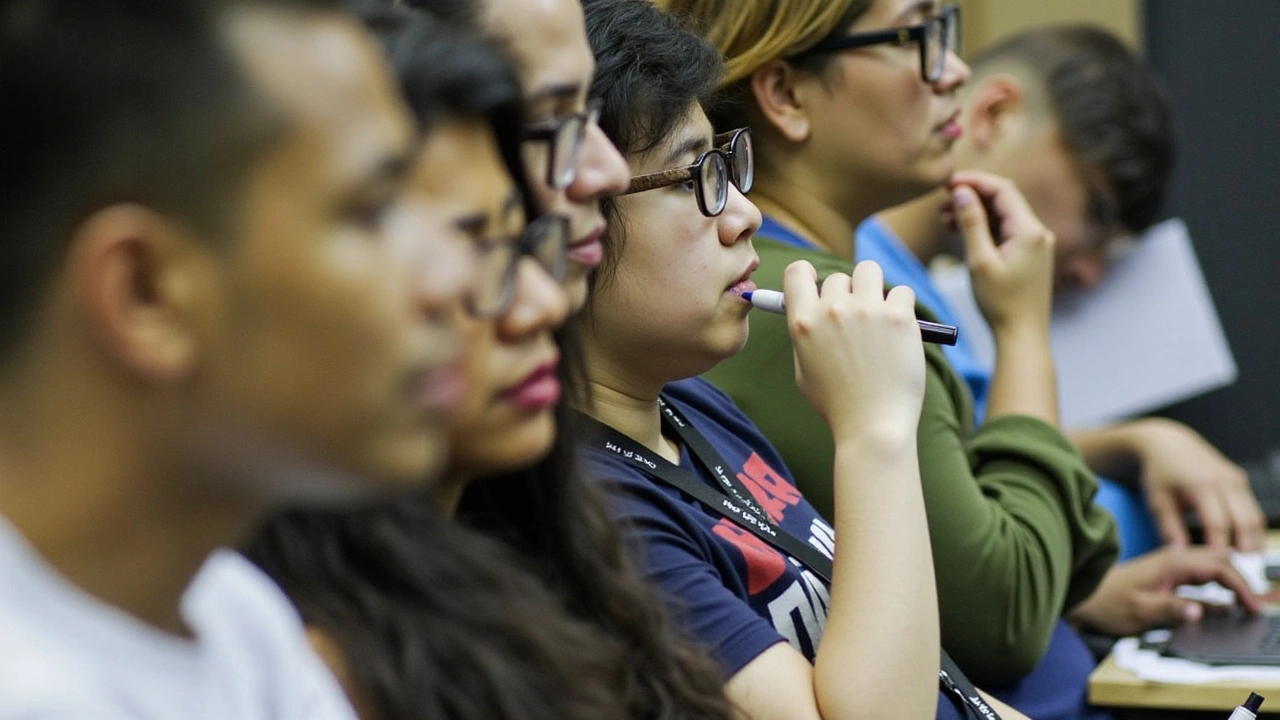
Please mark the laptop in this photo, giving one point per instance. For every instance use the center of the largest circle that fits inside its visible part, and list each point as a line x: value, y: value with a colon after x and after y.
x: 1231, y: 638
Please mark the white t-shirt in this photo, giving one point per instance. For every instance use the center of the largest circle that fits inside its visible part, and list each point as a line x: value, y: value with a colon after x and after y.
x: 64, y: 655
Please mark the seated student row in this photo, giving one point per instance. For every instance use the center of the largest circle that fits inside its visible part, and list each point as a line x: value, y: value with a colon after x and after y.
x: 403, y: 534
x: 298, y: 546
x: 627, y: 375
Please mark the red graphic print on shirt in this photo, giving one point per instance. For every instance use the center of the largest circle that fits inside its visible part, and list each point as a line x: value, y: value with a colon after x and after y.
x: 768, y: 487
x: 764, y: 564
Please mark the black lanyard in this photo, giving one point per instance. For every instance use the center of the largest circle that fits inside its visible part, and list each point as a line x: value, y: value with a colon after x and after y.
x: 733, y: 502
x: 736, y: 503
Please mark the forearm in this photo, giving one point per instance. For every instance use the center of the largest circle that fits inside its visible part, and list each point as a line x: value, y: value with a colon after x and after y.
x: 1024, y: 381
x: 1117, y: 450
x: 880, y: 645
x: 1015, y: 534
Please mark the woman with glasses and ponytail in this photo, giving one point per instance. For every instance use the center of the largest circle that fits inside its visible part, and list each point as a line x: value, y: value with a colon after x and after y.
x: 804, y: 623
x: 853, y: 108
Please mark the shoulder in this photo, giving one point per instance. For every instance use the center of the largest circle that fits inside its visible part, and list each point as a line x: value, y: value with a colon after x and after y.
x: 716, y: 415
x: 775, y: 255
x: 247, y: 622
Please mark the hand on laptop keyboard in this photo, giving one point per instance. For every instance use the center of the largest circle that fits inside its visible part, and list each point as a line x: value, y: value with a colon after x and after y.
x: 1141, y: 593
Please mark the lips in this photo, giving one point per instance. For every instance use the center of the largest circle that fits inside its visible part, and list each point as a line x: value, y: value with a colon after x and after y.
x: 950, y: 128
x: 538, y: 390
x: 744, y: 283
x: 587, y: 250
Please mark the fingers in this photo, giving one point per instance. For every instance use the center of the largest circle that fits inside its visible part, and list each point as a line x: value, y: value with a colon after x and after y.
x: 868, y: 280
x: 1168, y: 516
x: 800, y: 287
x: 835, y: 285
x: 971, y: 216
x: 1011, y: 212
x: 1247, y: 519
x: 1196, y: 566
x: 1209, y: 508
x: 1165, y: 608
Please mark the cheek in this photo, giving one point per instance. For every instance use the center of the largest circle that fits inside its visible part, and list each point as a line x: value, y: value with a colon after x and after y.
x: 479, y: 356
x: 575, y: 285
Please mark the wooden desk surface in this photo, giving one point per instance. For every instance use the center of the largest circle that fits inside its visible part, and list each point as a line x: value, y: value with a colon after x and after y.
x: 1112, y: 686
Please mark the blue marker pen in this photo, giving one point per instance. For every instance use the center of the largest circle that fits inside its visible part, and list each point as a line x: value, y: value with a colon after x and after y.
x: 773, y: 301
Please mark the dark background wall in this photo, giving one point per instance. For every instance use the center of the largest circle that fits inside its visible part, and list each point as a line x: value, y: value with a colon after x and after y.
x: 1221, y: 63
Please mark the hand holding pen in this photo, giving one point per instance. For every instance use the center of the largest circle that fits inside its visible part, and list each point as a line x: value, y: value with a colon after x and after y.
x: 858, y: 356
x: 775, y: 302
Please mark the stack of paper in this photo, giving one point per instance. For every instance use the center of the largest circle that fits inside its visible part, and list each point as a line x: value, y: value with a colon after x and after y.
x: 1145, y: 338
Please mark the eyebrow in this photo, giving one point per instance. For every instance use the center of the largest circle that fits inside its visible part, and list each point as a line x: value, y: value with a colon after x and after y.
x: 555, y: 91
x: 924, y: 7
x: 476, y: 222
x: 693, y: 144
x: 386, y: 174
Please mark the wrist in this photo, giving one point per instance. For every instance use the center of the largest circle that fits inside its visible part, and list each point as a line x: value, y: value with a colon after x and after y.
x: 1022, y: 331
x: 877, y: 438
x: 1147, y: 435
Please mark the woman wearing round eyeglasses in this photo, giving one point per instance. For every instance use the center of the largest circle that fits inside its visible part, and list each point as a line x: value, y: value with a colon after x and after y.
x: 853, y: 108
x: 802, y: 624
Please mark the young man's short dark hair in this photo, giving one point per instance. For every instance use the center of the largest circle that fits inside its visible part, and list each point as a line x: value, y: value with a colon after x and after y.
x: 1113, y: 113
x: 106, y: 101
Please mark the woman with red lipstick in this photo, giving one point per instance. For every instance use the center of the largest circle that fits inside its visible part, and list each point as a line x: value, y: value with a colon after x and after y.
x: 799, y: 628
x: 854, y: 108
x: 571, y: 165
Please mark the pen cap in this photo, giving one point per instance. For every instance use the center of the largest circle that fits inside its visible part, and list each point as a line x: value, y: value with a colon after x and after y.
x: 1253, y: 703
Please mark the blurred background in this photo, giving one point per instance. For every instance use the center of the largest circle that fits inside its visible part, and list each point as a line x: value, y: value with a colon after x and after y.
x: 1220, y: 62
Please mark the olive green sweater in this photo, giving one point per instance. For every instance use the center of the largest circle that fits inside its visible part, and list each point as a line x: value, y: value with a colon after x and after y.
x: 1016, y: 536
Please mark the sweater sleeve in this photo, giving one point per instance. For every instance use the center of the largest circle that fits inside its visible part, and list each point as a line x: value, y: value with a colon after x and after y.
x: 1015, y: 534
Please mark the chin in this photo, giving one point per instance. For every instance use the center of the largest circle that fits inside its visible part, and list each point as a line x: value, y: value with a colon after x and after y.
x: 497, y: 450
x: 575, y: 288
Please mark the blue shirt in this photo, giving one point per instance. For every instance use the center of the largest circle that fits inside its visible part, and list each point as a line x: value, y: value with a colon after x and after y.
x: 876, y: 242
x: 735, y: 594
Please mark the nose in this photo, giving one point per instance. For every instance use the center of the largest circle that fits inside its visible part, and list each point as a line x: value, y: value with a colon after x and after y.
x: 740, y: 219
x: 1084, y: 270
x: 955, y: 72
x: 602, y: 171
x: 540, y: 304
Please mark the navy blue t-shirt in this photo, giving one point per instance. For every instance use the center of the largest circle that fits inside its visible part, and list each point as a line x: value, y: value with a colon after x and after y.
x: 736, y: 594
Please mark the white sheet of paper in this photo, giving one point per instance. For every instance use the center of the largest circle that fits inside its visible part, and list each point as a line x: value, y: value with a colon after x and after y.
x: 1152, y: 666
x: 1147, y: 337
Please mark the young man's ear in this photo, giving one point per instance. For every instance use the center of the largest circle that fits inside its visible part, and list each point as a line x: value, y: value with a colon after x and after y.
x: 136, y: 283
x: 775, y: 88
x: 993, y: 109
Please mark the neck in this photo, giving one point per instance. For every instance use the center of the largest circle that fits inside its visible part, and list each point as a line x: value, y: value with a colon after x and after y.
x: 448, y: 492
x: 808, y: 217
x: 918, y: 224
x: 90, y: 485
x: 636, y: 416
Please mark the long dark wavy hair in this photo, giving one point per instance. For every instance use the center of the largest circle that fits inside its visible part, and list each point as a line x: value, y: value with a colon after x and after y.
x: 529, y: 609
x: 435, y: 620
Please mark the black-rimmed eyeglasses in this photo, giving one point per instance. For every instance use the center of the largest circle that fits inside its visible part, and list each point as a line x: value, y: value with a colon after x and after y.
x: 936, y: 36
x: 564, y: 135
x: 731, y: 160
x: 546, y: 240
